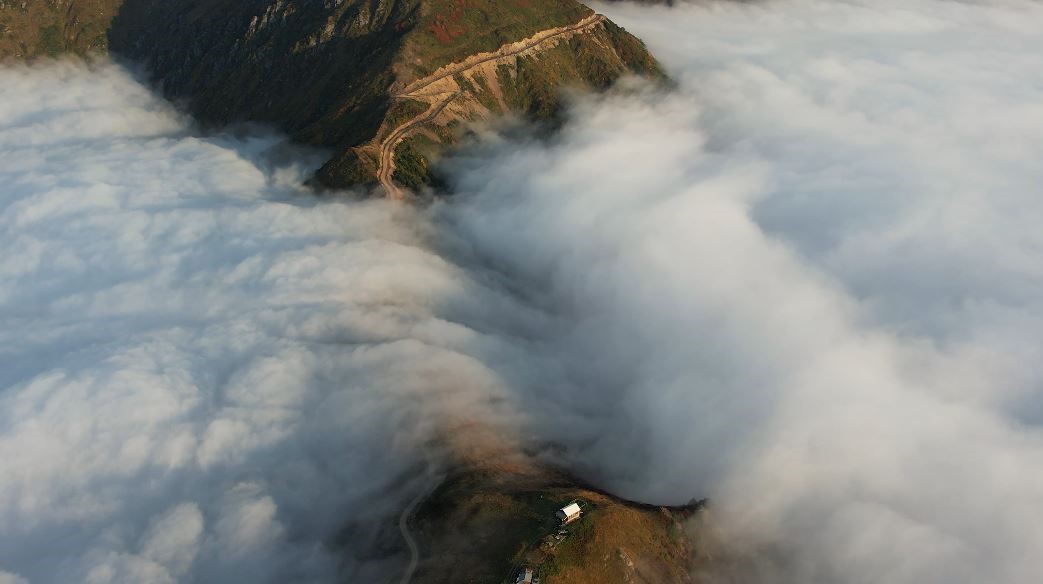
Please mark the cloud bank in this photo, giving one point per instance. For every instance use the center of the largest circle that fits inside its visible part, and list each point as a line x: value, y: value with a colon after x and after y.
x: 805, y: 285
x: 207, y: 374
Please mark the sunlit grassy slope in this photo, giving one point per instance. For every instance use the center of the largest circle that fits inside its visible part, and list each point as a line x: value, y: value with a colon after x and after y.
x: 481, y: 527
x: 48, y: 28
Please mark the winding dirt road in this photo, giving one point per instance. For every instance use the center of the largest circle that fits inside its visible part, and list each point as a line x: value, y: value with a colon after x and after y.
x: 387, y: 148
x: 506, y: 50
x: 386, y: 170
x: 407, y: 535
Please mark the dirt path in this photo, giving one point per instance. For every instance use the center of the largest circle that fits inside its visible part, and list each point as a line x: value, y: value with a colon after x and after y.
x: 407, y: 535
x: 505, y: 51
x: 386, y: 170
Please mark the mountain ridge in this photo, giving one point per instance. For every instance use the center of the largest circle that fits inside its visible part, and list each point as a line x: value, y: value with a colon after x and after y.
x: 340, y: 74
x: 330, y: 75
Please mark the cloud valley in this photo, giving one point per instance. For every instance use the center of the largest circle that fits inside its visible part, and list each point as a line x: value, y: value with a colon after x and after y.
x: 804, y: 284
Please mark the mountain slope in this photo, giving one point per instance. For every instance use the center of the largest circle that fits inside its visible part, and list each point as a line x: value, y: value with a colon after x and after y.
x: 349, y: 75
x: 49, y: 28
x: 484, y: 525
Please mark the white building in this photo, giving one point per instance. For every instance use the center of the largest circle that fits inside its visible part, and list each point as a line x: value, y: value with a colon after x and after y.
x: 569, y: 513
x: 524, y: 576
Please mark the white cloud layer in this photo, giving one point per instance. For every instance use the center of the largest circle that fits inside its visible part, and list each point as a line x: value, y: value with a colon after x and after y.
x: 207, y: 375
x: 806, y: 284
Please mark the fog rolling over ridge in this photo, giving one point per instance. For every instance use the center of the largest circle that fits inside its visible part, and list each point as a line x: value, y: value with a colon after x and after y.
x: 804, y: 284
x: 208, y: 375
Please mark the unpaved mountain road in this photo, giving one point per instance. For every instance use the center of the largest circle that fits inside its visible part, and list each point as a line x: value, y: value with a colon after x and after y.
x: 506, y: 50
x: 386, y: 170
x: 407, y: 535
x: 387, y: 148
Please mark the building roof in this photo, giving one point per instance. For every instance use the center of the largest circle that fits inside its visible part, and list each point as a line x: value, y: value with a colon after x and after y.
x: 570, y: 510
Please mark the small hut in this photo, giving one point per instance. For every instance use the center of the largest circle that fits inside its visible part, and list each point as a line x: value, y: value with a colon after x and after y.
x: 568, y: 513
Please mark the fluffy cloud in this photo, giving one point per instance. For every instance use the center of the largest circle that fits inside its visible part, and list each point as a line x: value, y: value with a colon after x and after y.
x: 805, y: 284
x: 208, y: 374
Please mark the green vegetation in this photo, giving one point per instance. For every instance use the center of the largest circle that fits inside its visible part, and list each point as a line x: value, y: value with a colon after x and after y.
x: 51, y: 42
x: 348, y: 167
x: 452, y: 30
x: 465, y: 84
x: 479, y: 532
x: 570, y: 551
x: 45, y: 28
x: 400, y: 112
x: 480, y: 526
x: 411, y: 165
x: 633, y: 52
x: 485, y: 96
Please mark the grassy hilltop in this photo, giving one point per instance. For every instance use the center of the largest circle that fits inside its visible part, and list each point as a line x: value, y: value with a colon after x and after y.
x: 50, y: 28
x: 482, y: 525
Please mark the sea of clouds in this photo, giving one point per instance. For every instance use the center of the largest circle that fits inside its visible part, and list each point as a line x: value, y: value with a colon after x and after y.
x: 208, y: 374
x: 805, y: 283
x: 808, y: 284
